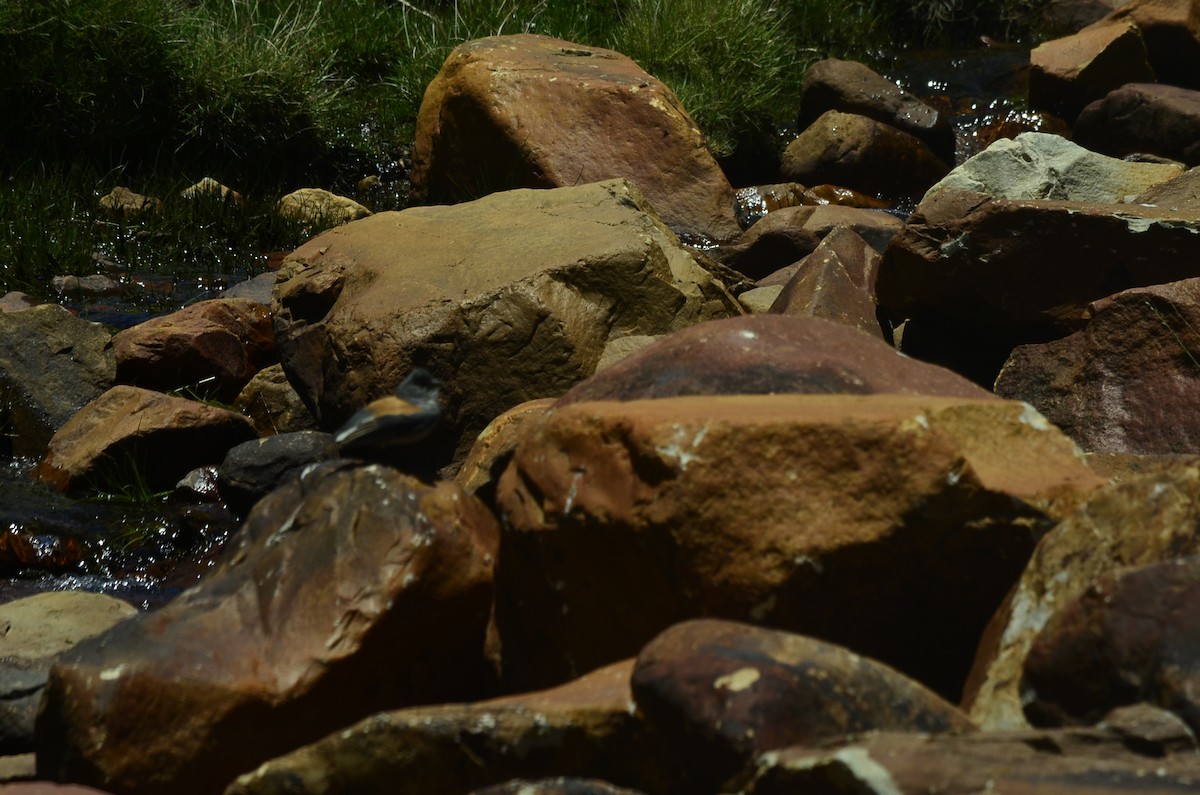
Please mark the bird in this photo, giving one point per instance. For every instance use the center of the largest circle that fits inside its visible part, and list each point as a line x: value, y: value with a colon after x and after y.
x: 405, y: 417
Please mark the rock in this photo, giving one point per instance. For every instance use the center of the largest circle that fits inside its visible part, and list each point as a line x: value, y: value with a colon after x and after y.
x: 1078, y: 762
x: 759, y: 300
x: 550, y: 113
x: 210, y: 188
x: 817, y: 514
x: 16, y: 301
x: 494, y: 447
x: 556, y: 786
x: 211, y: 347
x: 1179, y: 194
x: 769, y: 354
x: 505, y: 299
x: 253, y: 469
x: 316, y: 206
x: 1042, y: 166
x: 720, y: 693
x: 35, y: 630
x: 1069, y: 16
x: 1171, y: 30
x: 270, y: 402
x: 836, y: 282
x: 51, y: 365
x: 1066, y: 74
x: 1143, y: 118
x: 94, y: 285
x: 852, y: 87
x: 123, y: 202
x: 975, y: 275
x: 346, y: 592
x: 863, y: 154
x: 1164, y: 507
x: 48, y: 788
x: 257, y: 288
x: 1128, y: 382
x: 754, y: 202
x: 132, y: 435
x: 588, y: 727
x: 790, y: 234
x: 1128, y: 638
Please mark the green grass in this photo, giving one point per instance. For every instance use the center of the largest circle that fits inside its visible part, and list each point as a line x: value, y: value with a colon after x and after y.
x: 270, y: 95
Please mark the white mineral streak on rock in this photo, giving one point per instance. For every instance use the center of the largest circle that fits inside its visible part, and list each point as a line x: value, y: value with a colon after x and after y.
x: 739, y: 680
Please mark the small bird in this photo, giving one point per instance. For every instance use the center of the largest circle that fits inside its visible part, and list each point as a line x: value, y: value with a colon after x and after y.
x: 403, y: 418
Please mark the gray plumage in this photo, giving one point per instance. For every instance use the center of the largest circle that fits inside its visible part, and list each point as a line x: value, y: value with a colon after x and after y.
x: 407, y: 416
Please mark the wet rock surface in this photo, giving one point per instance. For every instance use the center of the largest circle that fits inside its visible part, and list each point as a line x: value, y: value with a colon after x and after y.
x: 345, y: 592
x: 1143, y: 117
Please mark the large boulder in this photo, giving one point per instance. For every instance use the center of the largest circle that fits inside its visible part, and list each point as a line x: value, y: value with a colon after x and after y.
x: 52, y: 364
x: 1144, y: 118
x: 862, y: 153
x: 769, y: 354
x: 131, y: 435
x: 1171, y: 30
x: 1129, y: 381
x: 346, y: 592
x: 1066, y: 74
x: 533, y: 111
x: 720, y: 693
x: 586, y: 727
x: 212, y: 348
x: 1044, y: 166
x: 1143, y: 520
x: 976, y: 275
x: 1129, y: 638
x: 505, y: 299
x: 892, y: 524
x: 852, y: 87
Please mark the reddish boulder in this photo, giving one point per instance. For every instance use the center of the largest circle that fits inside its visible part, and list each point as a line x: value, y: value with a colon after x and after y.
x: 130, y: 435
x: 346, y: 592
x: 1066, y: 74
x: 848, y: 517
x: 1128, y: 382
x: 720, y: 693
x: 769, y: 354
x: 1143, y: 118
x: 1163, y: 507
x: 863, y: 154
x: 1130, y: 637
x: 1171, y: 30
x: 549, y: 113
x: 852, y: 87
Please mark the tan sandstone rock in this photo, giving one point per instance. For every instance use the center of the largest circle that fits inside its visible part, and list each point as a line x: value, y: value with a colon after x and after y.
x: 892, y: 524
x: 506, y: 299
x: 129, y: 433
x: 533, y: 111
x: 318, y: 206
x: 1066, y: 74
x: 349, y: 591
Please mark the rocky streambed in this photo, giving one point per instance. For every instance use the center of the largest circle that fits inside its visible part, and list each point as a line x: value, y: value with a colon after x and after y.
x: 841, y: 502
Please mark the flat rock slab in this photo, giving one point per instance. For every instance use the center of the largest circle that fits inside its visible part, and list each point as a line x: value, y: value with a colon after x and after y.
x: 130, y: 434
x: 769, y: 354
x: 720, y: 693
x: 1143, y: 118
x: 346, y: 592
x: 587, y: 727
x: 1128, y: 382
x: 1044, y: 166
x: 1025, y: 270
x: 549, y: 113
x: 892, y: 524
x: 505, y: 299
x: 1163, y: 507
x: 1066, y: 74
